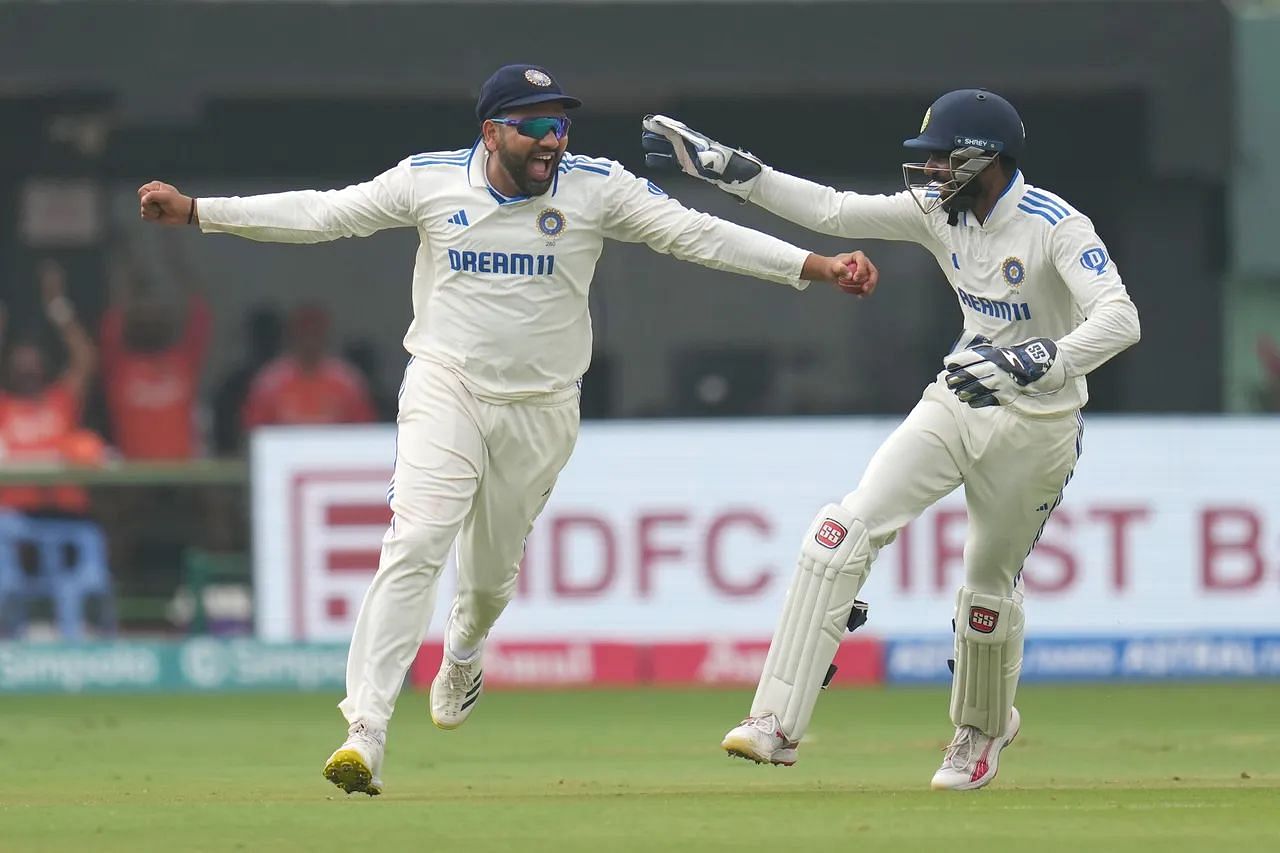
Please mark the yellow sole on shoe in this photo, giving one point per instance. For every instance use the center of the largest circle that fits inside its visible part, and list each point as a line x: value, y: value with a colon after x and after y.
x: 740, y: 748
x: 444, y: 727
x: 347, y: 770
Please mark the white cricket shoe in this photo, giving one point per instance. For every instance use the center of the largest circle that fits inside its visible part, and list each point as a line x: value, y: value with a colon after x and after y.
x: 760, y: 739
x: 357, y: 764
x: 973, y: 758
x: 455, y: 691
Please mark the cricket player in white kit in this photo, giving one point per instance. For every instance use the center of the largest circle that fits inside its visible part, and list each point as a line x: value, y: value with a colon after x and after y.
x: 1043, y: 305
x: 511, y: 229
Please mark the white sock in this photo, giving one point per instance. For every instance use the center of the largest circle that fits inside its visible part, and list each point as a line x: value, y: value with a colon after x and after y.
x: 461, y: 654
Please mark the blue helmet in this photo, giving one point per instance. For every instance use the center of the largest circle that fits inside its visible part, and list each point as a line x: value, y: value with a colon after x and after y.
x: 968, y: 129
x: 971, y: 118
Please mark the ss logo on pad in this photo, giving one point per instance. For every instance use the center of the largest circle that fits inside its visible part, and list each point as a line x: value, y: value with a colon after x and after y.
x: 831, y: 533
x: 983, y: 620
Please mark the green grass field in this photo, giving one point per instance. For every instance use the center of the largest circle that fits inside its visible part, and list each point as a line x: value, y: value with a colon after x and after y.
x: 1194, y: 768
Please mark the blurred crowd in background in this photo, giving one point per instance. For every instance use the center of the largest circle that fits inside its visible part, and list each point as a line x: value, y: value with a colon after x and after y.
x: 133, y: 383
x: 130, y: 383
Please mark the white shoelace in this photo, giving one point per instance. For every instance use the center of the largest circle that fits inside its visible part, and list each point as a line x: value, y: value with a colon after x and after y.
x: 458, y: 676
x: 769, y: 725
x: 961, y: 747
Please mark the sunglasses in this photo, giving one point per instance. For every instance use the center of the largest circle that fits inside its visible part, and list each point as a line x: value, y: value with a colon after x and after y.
x: 537, y: 128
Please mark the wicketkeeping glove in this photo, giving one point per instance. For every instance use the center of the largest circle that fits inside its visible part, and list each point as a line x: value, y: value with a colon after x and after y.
x: 987, y: 375
x: 670, y: 144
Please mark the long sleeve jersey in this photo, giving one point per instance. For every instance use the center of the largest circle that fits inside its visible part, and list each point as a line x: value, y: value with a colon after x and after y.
x: 1035, y: 268
x: 500, y: 283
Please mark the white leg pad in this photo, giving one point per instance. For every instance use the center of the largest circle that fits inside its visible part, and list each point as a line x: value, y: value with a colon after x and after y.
x: 989, y: 630
x: 835, y: 559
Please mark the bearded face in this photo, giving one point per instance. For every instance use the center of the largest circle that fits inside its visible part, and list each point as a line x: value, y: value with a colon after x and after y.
x: 528, y: 147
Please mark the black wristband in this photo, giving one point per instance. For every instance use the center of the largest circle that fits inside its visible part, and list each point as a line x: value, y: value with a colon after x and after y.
x: 191, y: 213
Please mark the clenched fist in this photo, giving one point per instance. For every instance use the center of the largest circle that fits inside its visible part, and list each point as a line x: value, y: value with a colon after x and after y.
x: 852, y: 272
x: 862, y: 276
x: 161, y: 202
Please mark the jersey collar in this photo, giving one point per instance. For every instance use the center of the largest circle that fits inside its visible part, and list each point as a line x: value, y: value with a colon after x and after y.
x: 476, y: 162
x: 1005, y: 204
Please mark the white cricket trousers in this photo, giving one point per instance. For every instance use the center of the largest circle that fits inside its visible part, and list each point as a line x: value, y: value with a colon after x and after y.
x: 468, y: 469
x: 1013, y: 467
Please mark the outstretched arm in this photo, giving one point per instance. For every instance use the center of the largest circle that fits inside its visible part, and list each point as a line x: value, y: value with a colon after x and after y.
x: 636, y: 211
x: 81, y: 354
x: 673, y: 145
x: 197, y: 317
x: 301, y: 216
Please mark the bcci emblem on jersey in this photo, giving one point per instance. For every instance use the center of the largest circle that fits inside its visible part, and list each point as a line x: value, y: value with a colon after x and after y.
x: 1013, y: 271
x: 551, y: 222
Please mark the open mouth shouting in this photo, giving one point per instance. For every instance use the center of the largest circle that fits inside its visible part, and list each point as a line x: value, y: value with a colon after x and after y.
x: 541, y: 166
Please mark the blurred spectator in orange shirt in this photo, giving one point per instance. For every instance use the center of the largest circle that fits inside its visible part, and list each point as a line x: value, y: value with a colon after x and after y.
x: 153, y: 352
x: 39, y: 418
x: 306, y: 385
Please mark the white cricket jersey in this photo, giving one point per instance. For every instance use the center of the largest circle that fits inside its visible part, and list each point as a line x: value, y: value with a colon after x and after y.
x: 500, y: 284
x: 1035, y: 269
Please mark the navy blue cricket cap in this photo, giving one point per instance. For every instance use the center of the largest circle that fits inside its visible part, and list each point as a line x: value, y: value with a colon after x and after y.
x: 519, y: 86
x: 969, y: 118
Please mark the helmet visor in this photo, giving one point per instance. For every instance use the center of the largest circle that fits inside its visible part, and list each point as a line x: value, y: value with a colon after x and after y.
x: 934, y: 183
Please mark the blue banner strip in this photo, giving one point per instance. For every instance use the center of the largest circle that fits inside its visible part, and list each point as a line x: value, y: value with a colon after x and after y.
x: 190, y: 665
x: 1140, y: 658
